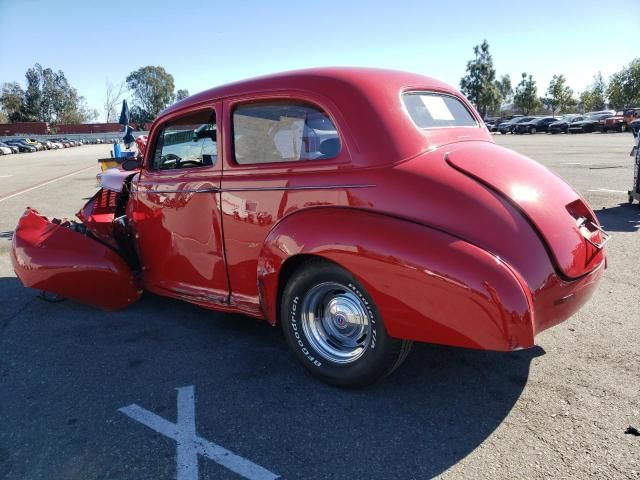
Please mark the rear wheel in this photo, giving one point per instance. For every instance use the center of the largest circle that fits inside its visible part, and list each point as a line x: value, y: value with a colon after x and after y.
x: 623, y: 127
x: 333, y: 327
x: 532, y: 130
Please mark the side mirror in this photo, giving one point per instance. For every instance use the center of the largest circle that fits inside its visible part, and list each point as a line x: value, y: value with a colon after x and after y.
x: 131, y: 164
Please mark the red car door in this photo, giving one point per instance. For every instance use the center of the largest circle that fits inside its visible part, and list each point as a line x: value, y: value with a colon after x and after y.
x: 176, y: 216
x: 282, y: 153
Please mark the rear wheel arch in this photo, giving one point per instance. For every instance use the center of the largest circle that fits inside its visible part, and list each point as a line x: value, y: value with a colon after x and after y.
x: 373, y: 260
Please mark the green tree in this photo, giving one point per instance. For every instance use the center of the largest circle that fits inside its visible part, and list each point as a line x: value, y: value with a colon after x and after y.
x: 33, y: 94
x: 181, y: 94
x: 12, y: 101
x: 4, y: 118
x: 525, y: 97
x: 479, y: 83
x: 505, y: 88
x: 593, y: 98
x: 624, y: 86
x: 559, y: 95
x: 152, y: 89
x: 48, y: 98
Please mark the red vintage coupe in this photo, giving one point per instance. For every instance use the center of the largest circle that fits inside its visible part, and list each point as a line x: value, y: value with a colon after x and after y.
x: 360, y: 209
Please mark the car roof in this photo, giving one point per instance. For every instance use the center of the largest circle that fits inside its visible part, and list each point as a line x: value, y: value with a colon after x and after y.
x: 323, y: 81
x: 367, y: 99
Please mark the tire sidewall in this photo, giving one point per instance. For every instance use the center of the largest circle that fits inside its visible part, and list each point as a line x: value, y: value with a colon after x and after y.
x: 363, y: 370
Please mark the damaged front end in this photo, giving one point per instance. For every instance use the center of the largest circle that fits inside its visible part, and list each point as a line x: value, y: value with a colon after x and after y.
x: 92, y: 262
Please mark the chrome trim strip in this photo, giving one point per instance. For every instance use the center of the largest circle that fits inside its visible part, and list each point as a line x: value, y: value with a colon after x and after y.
x: 202, y: 190
x: 302, y: 187
x: 256, y: 189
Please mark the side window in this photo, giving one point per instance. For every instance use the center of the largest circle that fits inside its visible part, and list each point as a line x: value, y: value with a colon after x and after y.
x: 187, y: 142
x: 283, y: 131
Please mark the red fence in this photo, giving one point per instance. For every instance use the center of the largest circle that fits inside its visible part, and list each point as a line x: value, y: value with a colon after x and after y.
x: 43, y: 128
x: 37, y: 128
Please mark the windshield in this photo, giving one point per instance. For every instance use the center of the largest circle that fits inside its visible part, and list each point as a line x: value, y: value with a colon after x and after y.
x: 436, y: 110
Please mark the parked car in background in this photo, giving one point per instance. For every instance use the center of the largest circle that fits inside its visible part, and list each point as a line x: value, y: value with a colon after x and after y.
x: 500, y: 121
x: 589, y: 124
x: 295, y: 225
x: 490, y: 122
x: 13, y: 148
x: 22, y: 146
x: 562, y: 126
x: 534, y: 126
x: 508, y: 126
x: 5, y: 150
x: 35, y: 143
x: 621, y: 120
x: 65, y: 144
x: 600, y: 112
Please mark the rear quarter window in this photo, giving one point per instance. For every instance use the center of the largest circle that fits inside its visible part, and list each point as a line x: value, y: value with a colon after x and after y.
x: 435, y: 110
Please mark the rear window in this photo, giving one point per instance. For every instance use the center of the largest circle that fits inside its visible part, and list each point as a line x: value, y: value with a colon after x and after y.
x: 434, y: 110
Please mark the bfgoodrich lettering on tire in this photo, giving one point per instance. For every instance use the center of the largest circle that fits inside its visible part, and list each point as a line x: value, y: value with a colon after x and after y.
x: 333, y: 327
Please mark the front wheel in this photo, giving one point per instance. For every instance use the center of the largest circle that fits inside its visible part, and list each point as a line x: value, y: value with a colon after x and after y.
x: 532, y: 130
x: 333, y: 327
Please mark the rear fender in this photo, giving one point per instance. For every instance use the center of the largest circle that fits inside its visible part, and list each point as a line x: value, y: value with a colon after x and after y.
x: 48, y: 255
x: 428, y: 285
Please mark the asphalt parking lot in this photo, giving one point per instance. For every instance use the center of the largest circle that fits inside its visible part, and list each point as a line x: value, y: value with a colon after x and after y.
x: 69, y: 374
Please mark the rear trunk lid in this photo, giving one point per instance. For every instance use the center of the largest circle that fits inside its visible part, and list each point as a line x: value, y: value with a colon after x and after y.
x: 561, y: 218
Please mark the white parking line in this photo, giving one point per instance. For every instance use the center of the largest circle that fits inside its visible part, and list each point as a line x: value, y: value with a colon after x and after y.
x: 190, y: 445
x: 42, y: 184
x: 607, y: 190
x: 5, y: 176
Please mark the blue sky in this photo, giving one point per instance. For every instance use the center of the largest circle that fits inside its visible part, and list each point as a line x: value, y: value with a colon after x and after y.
x: 207, y: 43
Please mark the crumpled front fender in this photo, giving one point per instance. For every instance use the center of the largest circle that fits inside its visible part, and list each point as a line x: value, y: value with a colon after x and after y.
x: 48, y: 255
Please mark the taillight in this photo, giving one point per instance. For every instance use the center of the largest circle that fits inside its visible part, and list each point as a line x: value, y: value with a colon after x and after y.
x: 587, y: 224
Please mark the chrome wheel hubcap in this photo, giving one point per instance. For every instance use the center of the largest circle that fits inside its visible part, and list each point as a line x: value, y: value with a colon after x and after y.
x: 335, y: 321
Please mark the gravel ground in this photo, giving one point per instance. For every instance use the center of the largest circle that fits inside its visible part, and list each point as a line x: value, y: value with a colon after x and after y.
x: 559, y: 410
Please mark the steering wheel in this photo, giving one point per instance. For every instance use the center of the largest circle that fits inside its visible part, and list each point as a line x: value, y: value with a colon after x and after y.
x: 188, y: 163
x: 168, y: 158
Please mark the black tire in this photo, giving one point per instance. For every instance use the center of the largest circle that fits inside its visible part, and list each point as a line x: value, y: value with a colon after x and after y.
x: 532, y: 130
x: 382, y: 353
x: 623, y: 127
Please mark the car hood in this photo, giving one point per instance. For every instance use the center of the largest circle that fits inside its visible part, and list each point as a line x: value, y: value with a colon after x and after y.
x: 561, y: 218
